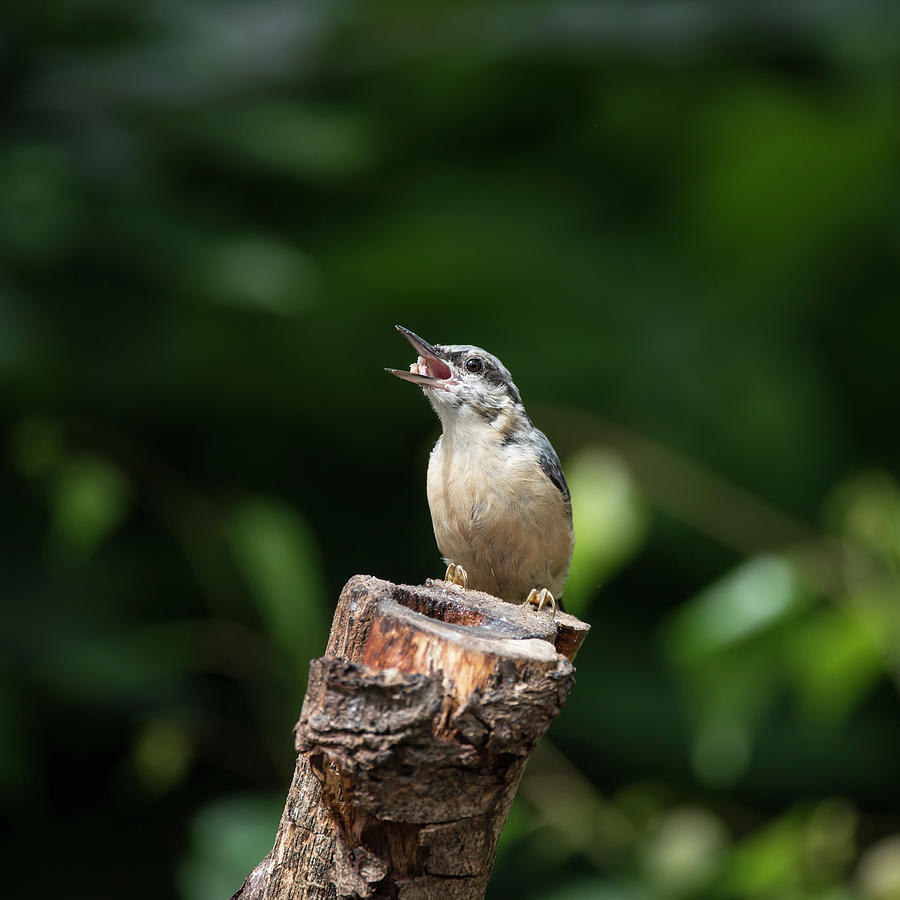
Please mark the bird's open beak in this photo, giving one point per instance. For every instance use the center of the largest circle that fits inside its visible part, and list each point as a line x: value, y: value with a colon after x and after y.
x: 429, y: 370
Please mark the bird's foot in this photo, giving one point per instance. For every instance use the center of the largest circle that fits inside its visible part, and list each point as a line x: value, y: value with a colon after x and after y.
x: 540, y: 597
x: 457, y: 575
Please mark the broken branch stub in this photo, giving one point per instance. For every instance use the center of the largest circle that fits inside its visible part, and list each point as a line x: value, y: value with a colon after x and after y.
x: 413, y: 736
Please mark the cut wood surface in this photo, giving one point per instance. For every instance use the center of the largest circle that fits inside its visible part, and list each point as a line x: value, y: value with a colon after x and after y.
x: 413, y: 736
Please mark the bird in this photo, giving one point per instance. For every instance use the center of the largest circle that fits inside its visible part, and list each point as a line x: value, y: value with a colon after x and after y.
x: 500, y: 505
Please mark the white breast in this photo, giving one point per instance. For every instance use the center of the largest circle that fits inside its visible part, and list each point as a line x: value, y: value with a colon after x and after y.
x: 497, y: 514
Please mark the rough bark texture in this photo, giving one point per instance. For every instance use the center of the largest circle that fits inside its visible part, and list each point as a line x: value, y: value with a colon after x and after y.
x: 414, y: 733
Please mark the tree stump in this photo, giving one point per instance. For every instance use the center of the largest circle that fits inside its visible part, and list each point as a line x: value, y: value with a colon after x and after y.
x: 414, y: 734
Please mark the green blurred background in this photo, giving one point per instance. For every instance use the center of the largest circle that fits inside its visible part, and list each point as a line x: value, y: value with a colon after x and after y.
x: 678, y: 224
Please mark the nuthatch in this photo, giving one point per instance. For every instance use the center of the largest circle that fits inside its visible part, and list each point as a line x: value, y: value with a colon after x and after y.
x: 500, y: 505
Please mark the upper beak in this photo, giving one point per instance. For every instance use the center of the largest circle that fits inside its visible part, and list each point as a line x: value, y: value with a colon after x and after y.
x: 437, y: 369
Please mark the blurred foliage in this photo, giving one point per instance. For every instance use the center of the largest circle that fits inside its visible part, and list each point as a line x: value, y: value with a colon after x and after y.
x: 223, y: 836
x: 676, y: 224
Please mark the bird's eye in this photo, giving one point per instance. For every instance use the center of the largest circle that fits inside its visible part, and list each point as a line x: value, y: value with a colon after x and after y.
x: 474, y: 364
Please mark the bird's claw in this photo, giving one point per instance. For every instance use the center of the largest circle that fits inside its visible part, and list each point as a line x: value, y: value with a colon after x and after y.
x: 457, y: 575
x: 540, y: 597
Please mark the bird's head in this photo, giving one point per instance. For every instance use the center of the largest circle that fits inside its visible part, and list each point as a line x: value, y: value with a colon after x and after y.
x: 461, y: 381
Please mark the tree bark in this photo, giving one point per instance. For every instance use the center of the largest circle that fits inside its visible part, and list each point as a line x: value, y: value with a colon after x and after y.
x: 414, y: 734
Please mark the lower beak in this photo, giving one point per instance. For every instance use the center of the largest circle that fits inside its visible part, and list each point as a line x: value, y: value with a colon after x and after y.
x: 437, y: 370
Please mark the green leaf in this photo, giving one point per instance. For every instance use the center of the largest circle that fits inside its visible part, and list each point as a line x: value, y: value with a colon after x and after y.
x: 879, y: 870
x: 725, y: 644
x: 609, y: 518
x: 866, y: 508
x: 754, y: 597
x: 802, y: 854
x: 768, y: 861
x: 90, y: 498
x: 276, y: 552
x: 836, y: 657
x: 228, y: 838
x: 685, y: 850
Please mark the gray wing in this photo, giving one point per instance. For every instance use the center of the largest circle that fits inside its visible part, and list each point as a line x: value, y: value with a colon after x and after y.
x: 552, y: 469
